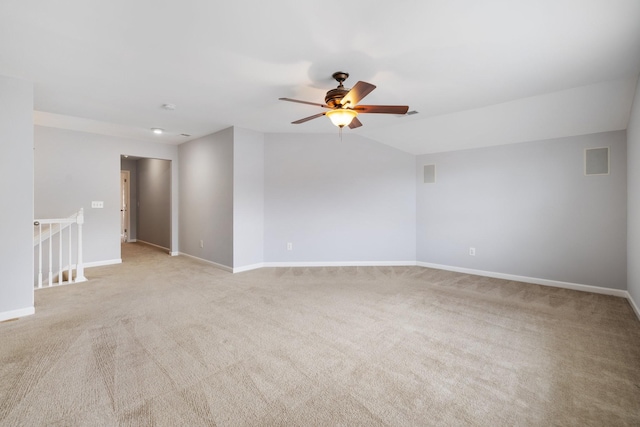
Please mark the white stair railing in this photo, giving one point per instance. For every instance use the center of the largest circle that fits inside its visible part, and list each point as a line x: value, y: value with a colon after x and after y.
x: 45, y: 232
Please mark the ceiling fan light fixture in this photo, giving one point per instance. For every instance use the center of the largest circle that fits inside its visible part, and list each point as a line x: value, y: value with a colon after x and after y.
x: 341, y: 117
x: 342, y: 104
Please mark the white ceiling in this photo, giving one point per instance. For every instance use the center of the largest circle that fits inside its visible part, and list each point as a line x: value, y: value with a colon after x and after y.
x: 479, y: 72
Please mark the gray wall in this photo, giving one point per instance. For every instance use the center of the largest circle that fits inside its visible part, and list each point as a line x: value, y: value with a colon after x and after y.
x: 154, y: 202
x: 206, y: 197
x: 132, y: 167
x: 74, y: 168
x: 633, y: 191
x: 248, y: 197
x: 338, y: 201
x: 529, y: 210
x: 16, y: 188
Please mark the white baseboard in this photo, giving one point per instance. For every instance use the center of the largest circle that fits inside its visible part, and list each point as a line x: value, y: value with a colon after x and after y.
x: 132, y: 240
x: 153, y: 244
x: 14, y: 314
x: 215, y: 264
x: 341, y: 264
x: 102, y: 263
x: 174, y: 253
x: 537, y: 281
x: 534, y: 280
x: 306, y: 264
x: 633, y: 305
x: 249, y: 267
x: 326, y: 264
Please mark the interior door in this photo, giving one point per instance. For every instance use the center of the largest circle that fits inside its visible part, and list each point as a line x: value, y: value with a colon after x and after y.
x: 124, y: 206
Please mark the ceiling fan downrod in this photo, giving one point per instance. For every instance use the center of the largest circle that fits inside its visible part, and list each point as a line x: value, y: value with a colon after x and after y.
x: 340, y: 76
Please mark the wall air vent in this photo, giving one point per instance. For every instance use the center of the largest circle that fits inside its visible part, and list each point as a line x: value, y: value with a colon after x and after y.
x: 596, y: 161
x: 429, y: 174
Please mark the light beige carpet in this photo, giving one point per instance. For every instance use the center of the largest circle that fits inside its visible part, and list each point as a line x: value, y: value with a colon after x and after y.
x: 169, y: 341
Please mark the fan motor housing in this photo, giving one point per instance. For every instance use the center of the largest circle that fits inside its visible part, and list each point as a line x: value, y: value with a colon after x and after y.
x: 334, y: 96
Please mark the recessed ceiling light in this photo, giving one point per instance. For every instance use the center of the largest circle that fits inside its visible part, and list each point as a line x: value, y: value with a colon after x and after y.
x: 170, y: 107
x: 157, y: 131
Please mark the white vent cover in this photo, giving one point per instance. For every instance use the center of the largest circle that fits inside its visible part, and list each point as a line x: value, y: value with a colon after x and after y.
x: 596, y: 161
x: 429, y: 174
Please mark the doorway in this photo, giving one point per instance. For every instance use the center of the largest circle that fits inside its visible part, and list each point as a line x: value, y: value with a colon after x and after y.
x: 146, y: 201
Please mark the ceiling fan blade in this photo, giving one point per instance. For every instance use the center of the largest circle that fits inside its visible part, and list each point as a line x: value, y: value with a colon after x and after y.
x: 306, y: 119
x: 355, y: 123
x: 384, y: 109
x: 359, y: 91
x: 303, y: 102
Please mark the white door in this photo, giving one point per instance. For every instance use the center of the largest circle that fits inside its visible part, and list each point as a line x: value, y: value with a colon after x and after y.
x: 124, y: 206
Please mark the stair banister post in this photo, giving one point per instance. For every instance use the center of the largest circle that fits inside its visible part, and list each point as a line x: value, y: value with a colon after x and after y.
x: 80, y: 267
x: 37, y: 224
x: 59, y: 254
x: 69, y: 264
x: 50, y: 255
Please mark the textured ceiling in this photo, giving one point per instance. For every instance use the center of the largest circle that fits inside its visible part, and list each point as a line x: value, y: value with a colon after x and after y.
x: 478, y: 72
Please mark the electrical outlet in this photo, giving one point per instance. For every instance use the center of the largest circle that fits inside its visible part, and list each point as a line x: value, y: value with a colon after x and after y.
x: 202, y: 243
x: 472, y: 251
x: 289, y: 246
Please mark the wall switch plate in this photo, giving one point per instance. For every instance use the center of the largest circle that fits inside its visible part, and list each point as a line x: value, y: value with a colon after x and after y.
x: 97, y: 205
x: 202, y: 243
x: 289, y: 246
x: 472, y: 251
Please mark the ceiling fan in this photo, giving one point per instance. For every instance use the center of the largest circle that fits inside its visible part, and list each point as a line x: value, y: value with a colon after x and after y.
x: 343, y: 104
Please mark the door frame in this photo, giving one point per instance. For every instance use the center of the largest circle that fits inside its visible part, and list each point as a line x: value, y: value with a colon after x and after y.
x: 125, y: 206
